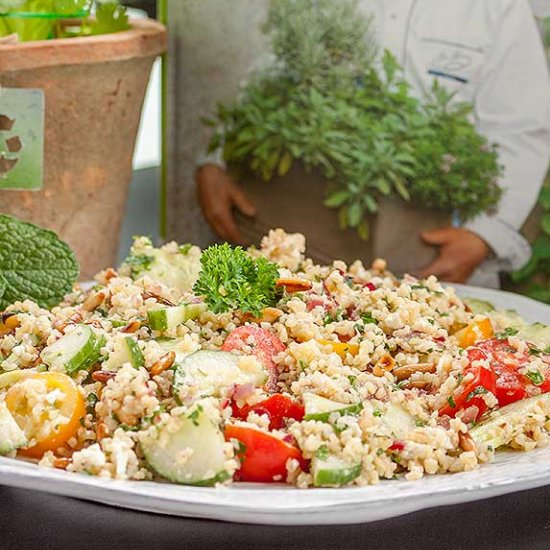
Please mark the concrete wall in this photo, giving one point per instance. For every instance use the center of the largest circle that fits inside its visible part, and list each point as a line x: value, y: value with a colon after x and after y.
x: 213, y: 44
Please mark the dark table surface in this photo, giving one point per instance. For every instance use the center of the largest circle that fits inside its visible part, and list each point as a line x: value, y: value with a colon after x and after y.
x: 31, y: 520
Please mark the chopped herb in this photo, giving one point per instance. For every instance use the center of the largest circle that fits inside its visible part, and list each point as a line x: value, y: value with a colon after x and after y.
x: 185, y: 248
x: 547, y: 350
x: 337, y: 316
x: 91, y: 400
x: 379, y: 452
x: 536, y: 377
x: 194, y: 416
x: 138, y: 263
x: 302, y: 364
x: 240, y: 448
x: 377, y: 413
x: 459, y: 378
x: 431, y: 321
x: 396, y: 458
x: 322, y: 452
x: 352, y: 380
x: 367, y: 318
x: 419, y: 287
x: 506, y: 333
x: 419, y: 423
x: 451, y: 402
x: 534, y: 351
x: 479, y: 390
x: 359, y: 328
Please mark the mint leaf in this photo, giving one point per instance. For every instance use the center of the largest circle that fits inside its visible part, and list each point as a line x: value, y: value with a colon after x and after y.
x: 34, y: 264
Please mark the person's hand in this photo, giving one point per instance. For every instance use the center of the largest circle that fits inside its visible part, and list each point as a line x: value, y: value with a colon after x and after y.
x: 460, y: 253
x: 218, y: 195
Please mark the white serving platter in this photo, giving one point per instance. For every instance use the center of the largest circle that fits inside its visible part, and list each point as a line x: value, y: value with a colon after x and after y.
x: 278, y: 504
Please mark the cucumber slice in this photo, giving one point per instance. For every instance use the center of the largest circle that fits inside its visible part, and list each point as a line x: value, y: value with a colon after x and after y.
x: 320, y: 408
x: 10, y: 378
x: 197, y: 433
x: 166, y: 318
x: 537, y: 334
x: 478, y: 306
x: 333, y: 472
x: 212, y: 371
x: 74, y: 351
x: 11, y: 435
x: 125, y: 350
x: 177, y: 345
x: 495, y: 430
x: 399, y: 421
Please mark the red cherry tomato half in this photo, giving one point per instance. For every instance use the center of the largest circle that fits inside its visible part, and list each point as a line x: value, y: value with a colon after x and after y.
x: 470, y: 393
x: 278, y: 407
x: 506, y: 362
x: 264, y: 344
x: 263, y: 456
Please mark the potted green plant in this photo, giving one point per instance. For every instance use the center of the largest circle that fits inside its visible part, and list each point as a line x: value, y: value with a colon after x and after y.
x: 89, y: 74
x: 322, y: 124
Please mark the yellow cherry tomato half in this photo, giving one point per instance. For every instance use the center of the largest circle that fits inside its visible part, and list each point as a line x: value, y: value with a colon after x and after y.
x: 48, y: 407
x: 341, y: 348
x: 475, y: 332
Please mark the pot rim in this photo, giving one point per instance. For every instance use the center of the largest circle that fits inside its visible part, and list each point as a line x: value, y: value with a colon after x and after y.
x: 145, y: 38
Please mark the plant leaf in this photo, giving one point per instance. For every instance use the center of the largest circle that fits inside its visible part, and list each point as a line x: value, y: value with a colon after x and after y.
x: 34, y: 264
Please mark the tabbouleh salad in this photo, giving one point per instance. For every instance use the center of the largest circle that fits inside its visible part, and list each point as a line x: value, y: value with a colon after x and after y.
x: 204, y: 368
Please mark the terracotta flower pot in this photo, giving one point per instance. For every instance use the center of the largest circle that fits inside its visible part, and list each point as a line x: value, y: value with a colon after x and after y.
x: 295, y: 203
x: 94, y: 89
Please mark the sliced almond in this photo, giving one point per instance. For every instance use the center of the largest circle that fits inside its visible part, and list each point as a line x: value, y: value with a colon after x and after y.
x: 160, y: 299
x: 402, y: 373
x: 134, y: 326
x: 61, y: 462
x: 466, y: 442
x: 164, y: 363
x: 268, y: 315
x: 383, y: 365
x: 92, y: 302
x: 294, y: 284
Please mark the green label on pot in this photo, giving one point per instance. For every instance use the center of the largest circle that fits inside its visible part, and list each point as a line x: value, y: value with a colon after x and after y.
x: 21, y: 139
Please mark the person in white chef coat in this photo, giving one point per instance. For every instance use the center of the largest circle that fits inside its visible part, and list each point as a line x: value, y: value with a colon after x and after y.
x: 490, y: 53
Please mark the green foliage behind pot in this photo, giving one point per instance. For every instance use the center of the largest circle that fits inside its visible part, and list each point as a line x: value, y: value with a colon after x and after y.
x: 40, y: 19
x: 325, y: 103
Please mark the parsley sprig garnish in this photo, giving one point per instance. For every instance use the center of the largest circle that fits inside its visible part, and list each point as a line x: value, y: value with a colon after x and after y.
x: 230, y: 279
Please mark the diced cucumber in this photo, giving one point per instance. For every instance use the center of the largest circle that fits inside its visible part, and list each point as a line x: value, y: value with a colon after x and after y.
x: 11, y: 435
x: 320, y: 408
x: 166, y: 318
x: 398, y: 420
x: 190, y: 449
x: 173, y: 267
x: 78, y: 350
x: 125, y: 350
x: 333, y: 472
x: 177, y: 345
x: 495, y: 431
x: 478, y: 306
x: 537, y: 334
x: 10, y: 378
x: 212, y: 371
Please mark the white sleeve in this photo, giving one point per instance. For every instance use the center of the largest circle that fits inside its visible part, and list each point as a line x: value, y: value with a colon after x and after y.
x: 512, y: 109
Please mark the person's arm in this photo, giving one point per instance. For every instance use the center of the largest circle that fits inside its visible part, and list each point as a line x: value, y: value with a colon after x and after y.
x: 512, y: 109
x: 218, y: 196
